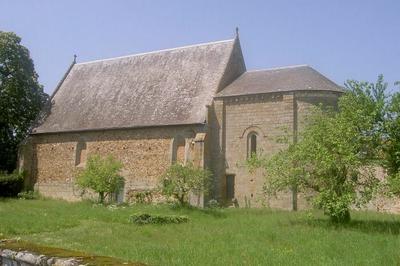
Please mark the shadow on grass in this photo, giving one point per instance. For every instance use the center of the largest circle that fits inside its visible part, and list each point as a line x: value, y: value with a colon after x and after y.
x: 365, y: 226
x: 3, y: 199
x: 214, y: 212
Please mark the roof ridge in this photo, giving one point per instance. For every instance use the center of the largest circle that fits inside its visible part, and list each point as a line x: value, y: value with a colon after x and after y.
x: 278, y: 68
x: 154, y: 52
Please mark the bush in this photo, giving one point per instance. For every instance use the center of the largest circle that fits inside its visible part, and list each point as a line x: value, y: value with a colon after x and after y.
x: 394, y: 183
x: 28, y: 195
x: 179, y: 180
x: 11, y: 184
x: 144, y: 197
x: 102, y: 176
x: 145, y: 218
x: 213, y: 204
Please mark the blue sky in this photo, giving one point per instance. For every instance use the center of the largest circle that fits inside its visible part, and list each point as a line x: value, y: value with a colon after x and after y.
x: 342, y: 39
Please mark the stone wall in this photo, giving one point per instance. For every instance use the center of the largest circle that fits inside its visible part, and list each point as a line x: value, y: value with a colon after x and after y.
x: 383, y: 203
x: 307, y: 100
x: 145, y: 153
x: 216, y: 159
x: 52, y: 160
x: 269, y: 116
x: 26, y: 258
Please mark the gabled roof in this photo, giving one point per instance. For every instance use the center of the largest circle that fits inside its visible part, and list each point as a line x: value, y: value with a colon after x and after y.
x: 291, y: 78
x: 167, y: 87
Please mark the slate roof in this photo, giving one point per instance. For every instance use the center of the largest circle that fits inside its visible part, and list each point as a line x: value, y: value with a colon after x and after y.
x: 167, y: 87
x: 291, y: 78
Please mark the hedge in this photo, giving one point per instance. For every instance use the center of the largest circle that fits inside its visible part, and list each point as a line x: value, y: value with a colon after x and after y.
x: 11, y: 184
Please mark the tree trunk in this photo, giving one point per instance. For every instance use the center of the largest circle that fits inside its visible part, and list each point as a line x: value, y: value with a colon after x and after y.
x: 182, y: 199
x: 101, y: 197
x: 342, y: 218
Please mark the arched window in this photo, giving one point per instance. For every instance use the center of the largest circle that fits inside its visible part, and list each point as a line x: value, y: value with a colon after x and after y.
x: 251, y: 144
x: 81, y: 153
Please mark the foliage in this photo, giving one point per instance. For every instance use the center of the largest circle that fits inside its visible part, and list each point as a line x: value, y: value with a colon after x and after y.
x: 101, y: 175
x: 21, y: 97
x: 145, y: 218
x: 11, y: 184
x: 180, y: 180
x: 213, y: 204
x: 28, y: 195
x: 337, y: 152
x: 391, y: 144
x: 144, y: 197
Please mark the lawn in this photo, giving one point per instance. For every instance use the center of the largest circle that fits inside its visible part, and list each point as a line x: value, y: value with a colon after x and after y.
x: 225, y: 237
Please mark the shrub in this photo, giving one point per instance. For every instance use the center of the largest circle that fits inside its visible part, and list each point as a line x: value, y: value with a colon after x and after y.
x: 145, y: 218
x: 144, y: 197
x: 179, y: 180
x: 213, y: 204
x: 11, y: 184
x: 102, y: 176
x: 28, y: 195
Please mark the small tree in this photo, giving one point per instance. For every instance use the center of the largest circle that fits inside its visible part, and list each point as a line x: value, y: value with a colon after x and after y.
x: 338, y: 151
x: 179, y: 180
x: 101, y: 175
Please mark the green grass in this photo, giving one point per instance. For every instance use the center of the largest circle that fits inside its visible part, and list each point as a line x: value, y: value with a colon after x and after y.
x: 228, y: 237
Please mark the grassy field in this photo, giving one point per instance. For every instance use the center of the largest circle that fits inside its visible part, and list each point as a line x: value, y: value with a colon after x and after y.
x: 226, y: 237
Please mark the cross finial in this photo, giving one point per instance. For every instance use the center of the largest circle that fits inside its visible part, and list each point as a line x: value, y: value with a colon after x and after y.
x: 237, y: 32
x: 74, y: 58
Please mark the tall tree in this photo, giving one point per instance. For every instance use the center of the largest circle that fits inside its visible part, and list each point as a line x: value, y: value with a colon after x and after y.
x: 21, y: 97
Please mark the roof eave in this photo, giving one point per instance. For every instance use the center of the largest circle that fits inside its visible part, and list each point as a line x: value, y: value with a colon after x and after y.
x: 115, y: 128
x: 272, y: 92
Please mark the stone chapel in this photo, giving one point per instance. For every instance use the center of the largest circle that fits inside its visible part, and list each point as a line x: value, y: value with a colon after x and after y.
x: 196, y: 103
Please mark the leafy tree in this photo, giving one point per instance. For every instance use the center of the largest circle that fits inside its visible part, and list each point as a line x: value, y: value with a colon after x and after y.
x: 338, y: 151
x: 391, y: 144
x: 11, y: 184
x: 101, y: 175
x: 179, y: 180
x: 21, y: 97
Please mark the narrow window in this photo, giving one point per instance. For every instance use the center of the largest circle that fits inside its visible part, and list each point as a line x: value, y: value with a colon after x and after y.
x: 251, y: 144
x: 81, y: 154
